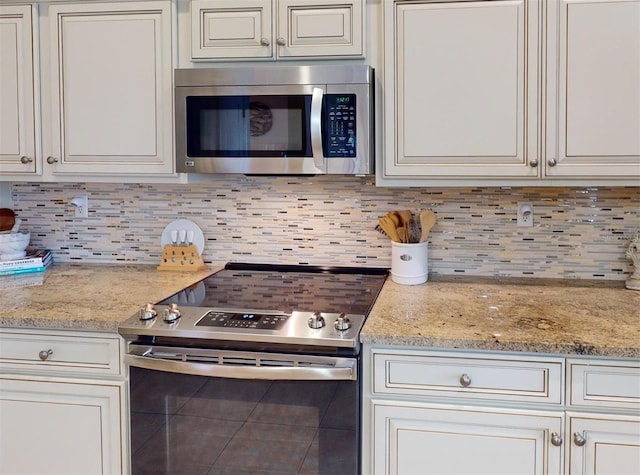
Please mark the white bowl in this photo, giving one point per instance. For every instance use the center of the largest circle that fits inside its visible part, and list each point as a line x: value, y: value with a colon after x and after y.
x: 13, y: 245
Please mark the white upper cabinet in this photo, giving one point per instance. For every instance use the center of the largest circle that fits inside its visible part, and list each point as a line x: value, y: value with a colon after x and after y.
x: 511, y: 92
x: 460, y: 81
x: 276, y: 29
x: 107, y: 88
x: 593, y: 118
x: 17, y: 114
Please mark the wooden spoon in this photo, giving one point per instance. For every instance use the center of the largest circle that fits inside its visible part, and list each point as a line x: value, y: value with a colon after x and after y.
x: 427, y: 220
x: 7, y: 219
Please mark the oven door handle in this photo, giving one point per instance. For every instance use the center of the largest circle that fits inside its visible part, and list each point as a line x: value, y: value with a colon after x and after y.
x: 345, y: 370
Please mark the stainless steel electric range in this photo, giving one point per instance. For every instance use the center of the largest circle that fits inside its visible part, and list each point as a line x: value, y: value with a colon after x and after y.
x: 254, y: 369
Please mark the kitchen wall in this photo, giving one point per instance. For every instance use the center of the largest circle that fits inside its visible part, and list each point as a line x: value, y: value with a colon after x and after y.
x: 578, y: 233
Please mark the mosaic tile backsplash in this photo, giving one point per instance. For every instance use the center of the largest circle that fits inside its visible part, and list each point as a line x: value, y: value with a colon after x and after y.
x: 579, y: 233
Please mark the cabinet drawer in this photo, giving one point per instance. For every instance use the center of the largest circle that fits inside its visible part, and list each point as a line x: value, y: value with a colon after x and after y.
x: 604, y: 384
x: 60, y: 353
x: 445, y: 375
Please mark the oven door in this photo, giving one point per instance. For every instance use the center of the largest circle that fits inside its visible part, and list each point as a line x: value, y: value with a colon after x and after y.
x: 211, y: 411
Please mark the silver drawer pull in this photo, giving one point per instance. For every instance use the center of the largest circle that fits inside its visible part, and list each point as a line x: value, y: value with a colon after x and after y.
x: 579, y: 439
x: 465, y: 380
x: 44, y: 354
x: 556, y: 439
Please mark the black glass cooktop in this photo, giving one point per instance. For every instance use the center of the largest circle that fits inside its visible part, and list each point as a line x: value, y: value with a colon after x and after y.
x: 352, y: 290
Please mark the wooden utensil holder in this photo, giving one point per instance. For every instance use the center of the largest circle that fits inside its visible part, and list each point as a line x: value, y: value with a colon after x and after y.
x: 181, y: 258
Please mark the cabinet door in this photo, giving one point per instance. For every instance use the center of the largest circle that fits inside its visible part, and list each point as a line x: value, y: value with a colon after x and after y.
x: 421, y: 440
x: 320, y: 28
x: 17, y: 121
x: 604, y: 445
x: 224, y: 29
x: 593, y: 94
x: 108, y: 108
x: 59, y: 427
x: 461, y: 82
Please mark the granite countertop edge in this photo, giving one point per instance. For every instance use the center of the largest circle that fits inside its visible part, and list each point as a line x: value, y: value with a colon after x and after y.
x: 576, y: 349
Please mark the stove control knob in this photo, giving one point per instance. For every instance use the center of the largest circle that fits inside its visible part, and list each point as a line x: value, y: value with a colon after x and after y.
x: 342, y: 323
x: 316, y: 321
x: 172, y: 314
x: 148, y: 312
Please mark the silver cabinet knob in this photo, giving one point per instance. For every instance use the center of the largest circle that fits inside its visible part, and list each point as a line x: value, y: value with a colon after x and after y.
x: 24, y: 160
x: 533, y: 163
x: 281, y: 42
x: 465, y: 380
x: 579, y: 439
x: 556, y: 439
x: 265, y: 42
x: 44, y: 354
x: 51, y: 160
x: 552, y: 162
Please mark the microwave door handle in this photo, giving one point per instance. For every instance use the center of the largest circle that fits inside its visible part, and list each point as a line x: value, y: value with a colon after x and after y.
x: 316, y: 129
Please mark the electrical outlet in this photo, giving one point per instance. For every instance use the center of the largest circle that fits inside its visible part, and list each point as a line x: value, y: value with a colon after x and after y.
x: 81, y: 205
x: 82, y: 212
x: 525, y: 215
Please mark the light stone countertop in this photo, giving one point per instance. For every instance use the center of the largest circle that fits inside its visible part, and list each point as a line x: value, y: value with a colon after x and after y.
x: 94, y: 297
x: 528, y: 315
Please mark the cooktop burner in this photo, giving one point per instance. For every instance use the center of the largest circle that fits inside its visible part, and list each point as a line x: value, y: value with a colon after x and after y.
x: 286, y: 289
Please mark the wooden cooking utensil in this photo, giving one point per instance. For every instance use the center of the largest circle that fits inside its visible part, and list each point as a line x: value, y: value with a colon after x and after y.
x: 402, y: 234
x: 7, y: 219
x: 427, y: 220
x: 389, y: 227
x: 405, y: 217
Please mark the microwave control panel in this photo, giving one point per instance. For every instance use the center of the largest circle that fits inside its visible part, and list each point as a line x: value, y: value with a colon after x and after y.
x: 340, y: 125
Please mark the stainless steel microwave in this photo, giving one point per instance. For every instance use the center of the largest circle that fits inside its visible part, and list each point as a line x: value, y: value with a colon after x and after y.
x: 275, y: 120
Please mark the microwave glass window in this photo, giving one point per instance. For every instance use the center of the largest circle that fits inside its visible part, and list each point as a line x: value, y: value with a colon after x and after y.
x: 243, y: 126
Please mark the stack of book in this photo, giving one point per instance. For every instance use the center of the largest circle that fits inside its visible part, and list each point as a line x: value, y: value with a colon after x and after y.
x: 36, y: 261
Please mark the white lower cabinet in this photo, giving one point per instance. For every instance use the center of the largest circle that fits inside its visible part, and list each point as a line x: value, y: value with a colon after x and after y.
x: 419, y: 439
x: 603, y: 418
x: 434, y: 412
x: 603, y: 444
x: 61, y: 412
x: 59, y: 427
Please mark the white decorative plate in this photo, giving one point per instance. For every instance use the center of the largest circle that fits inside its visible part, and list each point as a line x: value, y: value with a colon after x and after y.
x: 183, y: 225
